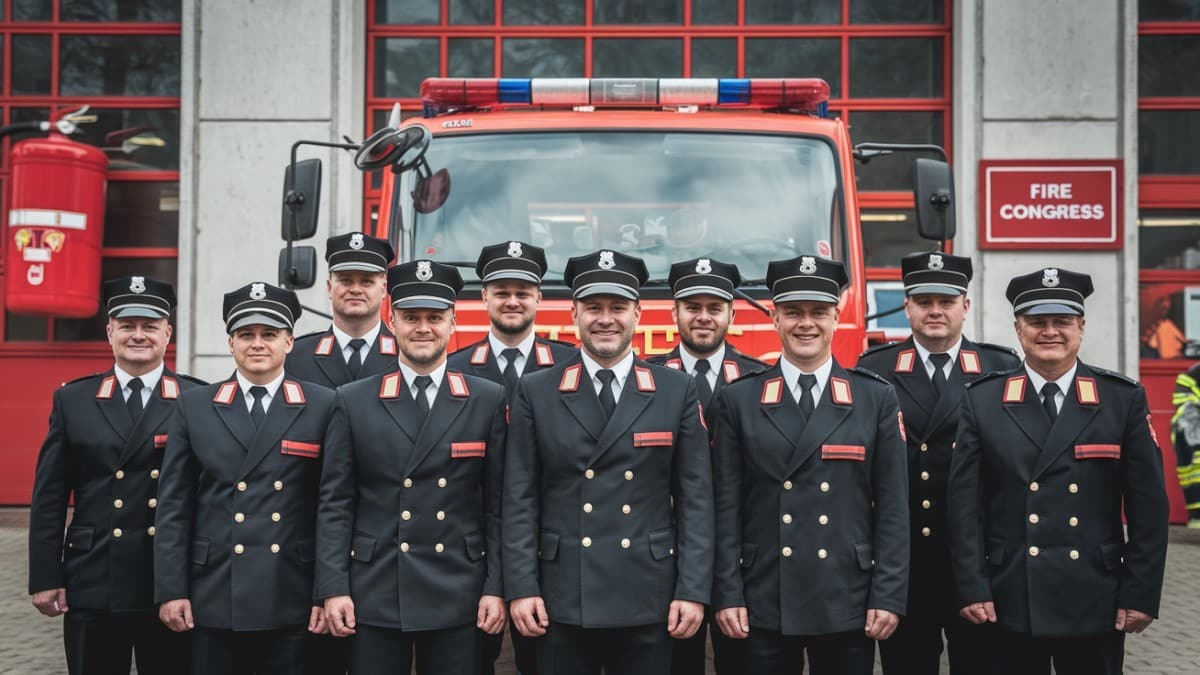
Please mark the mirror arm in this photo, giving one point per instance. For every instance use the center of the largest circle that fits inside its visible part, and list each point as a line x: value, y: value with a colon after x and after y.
x: 294, y: 199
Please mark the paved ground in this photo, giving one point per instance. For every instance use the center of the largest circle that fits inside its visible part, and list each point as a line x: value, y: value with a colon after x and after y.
x: 32, y: 644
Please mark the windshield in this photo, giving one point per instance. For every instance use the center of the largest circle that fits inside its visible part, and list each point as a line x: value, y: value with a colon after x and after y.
x: 665, y: 197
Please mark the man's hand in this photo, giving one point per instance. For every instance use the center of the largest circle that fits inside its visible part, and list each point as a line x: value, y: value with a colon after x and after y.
x: 1132, y: 621
x: 316, y: 621
x: 881, y: 623
x: 529, y: 615
x: 52, y: 602
x: 339, y: 614
x: 684, y: 618
x: 177, y: 615
x: 491, y: 615
x: 734, y: 623
x: 980, y: 612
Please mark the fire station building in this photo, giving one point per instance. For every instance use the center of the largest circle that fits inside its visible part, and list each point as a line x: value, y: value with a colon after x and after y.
x: 1087, y: 111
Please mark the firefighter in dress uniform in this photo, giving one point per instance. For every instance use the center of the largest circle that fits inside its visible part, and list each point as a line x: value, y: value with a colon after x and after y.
x: 104, y: 448
x: 928, y: 371
x: 409, y: 523
x: 357, y: 345
x: 812, y: 499
x: 703, y: 311
x: 511, y: 274
x: 608, y: 527
x: 237, y: 510
x: 1046, y: 455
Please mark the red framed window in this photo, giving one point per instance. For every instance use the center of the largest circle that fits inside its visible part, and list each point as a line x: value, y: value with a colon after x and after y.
x: 122, y: 59
x: 888, y: 63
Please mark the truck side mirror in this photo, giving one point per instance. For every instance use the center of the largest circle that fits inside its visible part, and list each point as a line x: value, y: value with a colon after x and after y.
x: 302, y: 272
x: 301, y: 199
x: 933, y: 195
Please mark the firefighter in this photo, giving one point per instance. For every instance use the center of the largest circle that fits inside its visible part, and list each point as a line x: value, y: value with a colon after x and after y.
x: 511, y: 274
x: 1185, y: 435
x: 608, y: 493
x: 928, y: 371
x: 811, y: 499
x: 1047, y: 454
x: 703, y: 311
x: 409, y: 523
x: 237, y: 513
x: 104, y: 448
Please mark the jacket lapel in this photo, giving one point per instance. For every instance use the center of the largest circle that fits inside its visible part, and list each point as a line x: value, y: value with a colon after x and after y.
x: 579, y: 396
x: 951, y: 397
x: 1022, y: 405
x: 827, y: 417
x: 634, y: 399
x: 153, y: 416
x: 328, y: 357
x: 396, y: 399
x: 112, y: 405
x: 783, y: 412
x: 231, y: 408
x: 283, y: 412
x: 446, y: 408
x: 1072, y: 420
x: 917, y: 385
x: 381, y: 359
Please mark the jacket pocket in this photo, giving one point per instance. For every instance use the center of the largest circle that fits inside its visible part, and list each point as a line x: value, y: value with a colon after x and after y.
x: 306, y: 550
x: 79, y: 538
x: 548, y: 546
x: 362, y: 548
x: 468, y: 449
x: 866, y: 556
x: 995, y: 553
x: 1110, y: 554
x: 200, y: 551
x: 476, y: 549
x: 1098, y: 451
x: 856, y: 453
x: 662, y: 543
x: 299, y: 449
x: 654, y: 439
x: 160, y: 441
x: 749, y: 553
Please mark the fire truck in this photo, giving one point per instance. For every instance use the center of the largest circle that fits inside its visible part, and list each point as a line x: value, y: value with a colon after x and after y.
x: 741, y: 170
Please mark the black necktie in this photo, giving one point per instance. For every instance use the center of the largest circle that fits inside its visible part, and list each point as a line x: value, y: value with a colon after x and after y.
x: 421, y: 382
x: 355, y: 362
x: 939, y: 373
x: 807, y: 404
x: 703, y: 390
x: 1049, y: 391
x: 134, y: 402
x: 510, y: 368
x: 258, y: 411
x: 607, y: 400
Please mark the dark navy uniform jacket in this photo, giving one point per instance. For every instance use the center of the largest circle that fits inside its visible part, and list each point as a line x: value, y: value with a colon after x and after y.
x: 812, y: 519
x: 1035, y: 510
x: 111, y: 466
x: 237, y: 507
x: 931, y: 422
x: 734, y: 365
x: 317, y: 358
x: 477, y: 359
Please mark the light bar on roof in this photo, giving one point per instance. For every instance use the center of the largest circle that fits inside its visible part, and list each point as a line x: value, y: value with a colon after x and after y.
x: 442, y: 95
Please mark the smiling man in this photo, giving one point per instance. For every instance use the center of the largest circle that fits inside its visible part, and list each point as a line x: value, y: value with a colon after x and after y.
x: 811, y: 496
x: 1048, y: 456
x: 608, y: 493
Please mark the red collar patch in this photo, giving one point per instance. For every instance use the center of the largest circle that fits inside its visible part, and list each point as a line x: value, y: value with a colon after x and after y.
x: 570, y: 378
x: 169, y: 388
x: 225, y: 393
x: 390, y: 386
x: 772, y: 391
x: 479, y: 356
x: 458, y: 385
x: 543, y: 355
x: 292, y: 393
x: 324, y: 346
x: 1086, y: 391
x: 731, y: 371
x: 839, y: 390
x: 387, y: 345
x: 970, y: 362
x: 644, y: 378
x: 1014, y: 389
x: 107, y: 386
x: 676, y: 364
x: 905, y: 360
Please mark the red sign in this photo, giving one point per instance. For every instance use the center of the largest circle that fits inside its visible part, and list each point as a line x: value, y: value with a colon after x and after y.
x: 1050, y: 204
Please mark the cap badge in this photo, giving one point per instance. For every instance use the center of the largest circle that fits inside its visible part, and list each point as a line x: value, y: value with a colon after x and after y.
x: 606, y: 260
x: 356, y: 241
x: 424, y: 270
x: 808, y: 265
x: 1049, y: 277
x: 138, y: 284
x: 935, y: 262
x: 514, y: 249
x: 704, y: 266
x: 258, y: 291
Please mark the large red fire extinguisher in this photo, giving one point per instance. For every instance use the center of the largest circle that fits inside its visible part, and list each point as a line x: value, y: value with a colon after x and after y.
x: 55, y: 223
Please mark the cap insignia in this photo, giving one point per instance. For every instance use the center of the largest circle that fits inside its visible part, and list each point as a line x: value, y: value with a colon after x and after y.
x: 514, y: 249
x: 704, y: 266
x: 258, y: 291
x: 138, y: 285
x: 1049, y: 277
x: 808, y: 265
x: 935, y: 262
x: 356, y: 241
x: 606, y: 260
x: 424, y: 270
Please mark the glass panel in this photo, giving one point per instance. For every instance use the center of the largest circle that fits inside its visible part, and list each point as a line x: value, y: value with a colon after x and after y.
x: 714, y: 11
x: 401, y: 64
x: 31, y: 10
x: 1169, y: 10
x: 897, y: 11
x: 1169, y: 240
x: 408, y: 11
x: 896, y: 67
x: 1169, y: 319
x: 118, y: 65
x: 1167, y: 141
x: 22, y: 328
x: 141, y: 213
x: 893, y: 172
x: 889, y: 235
x: 472, y: 12
x: 637, y: 11
x: 536, y: 12
x: 108, y: 11
x: 543, y: 58
x: 1167, y: 65
x: 469, y: 57
x: 637, y: 58
x: 77, y: 330
x: 135, y: 139
x: 714, y: 57
x: 796, y: 57
x: 794, y: 11
x: 30, y: 64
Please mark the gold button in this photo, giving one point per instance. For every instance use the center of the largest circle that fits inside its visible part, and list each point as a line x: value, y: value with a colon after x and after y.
x: 787, y: 519
x: 407, y: 482
x: 153, y: 503
x: 241, y: 486
x: 274, y: 548
x: 628, y: 475
x: 924, y: 447
x: 239, y: 549
x: 926, y: 504
x: 587, y: 541
x: 1074, y: 554
x: 924, y: 475
x: 624, y: 543
x: 1073, y: 521
x: 787, y: 485
x: 822, y: 553
x: 1033, y: 551
x: 587, y: 508
x: 787, y: 551
x: 441, y: 515
x: 925, y: 532
x: 275, y: 517
x: 406, y: 515
x: 1073, y: 488
x: 824, y: 486
x: 278, y: 485
x: 404, y: 547
x: 119, y: 474
x: 239, y: 517
x: 589, y: 474
x: 626, y: 509
x: 1033, y: 487
x: 439, y: 547
x: 824, y: 519
x: 154, y: 474
x: 441, y: 482
x: 117, y: 503
x: 1033, y: 518
x: 117, y: 533
x: 150, y: 530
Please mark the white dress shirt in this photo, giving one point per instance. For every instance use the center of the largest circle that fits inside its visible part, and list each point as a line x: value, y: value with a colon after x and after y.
x: 1064, y: 385
x: 343, y: 339
x: 410, y: 376
x: 498, y: 348
x: 715, y: 362
x: 791, y: 377
x: 272, y: 390
x: 149, y: 382
x: 946, y: 369
x: 621, y: 370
